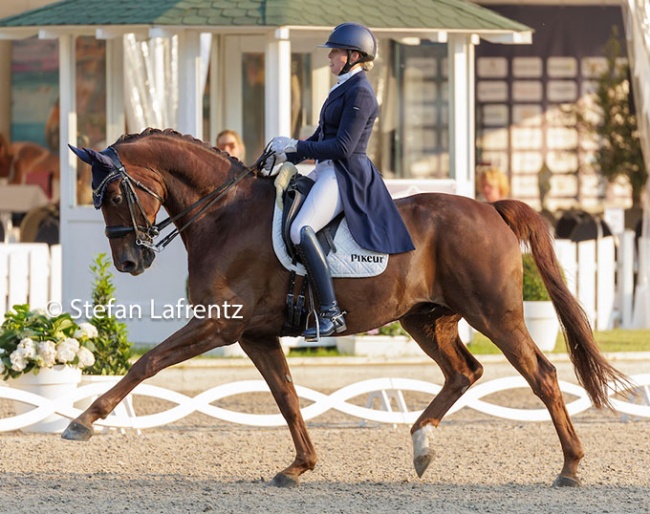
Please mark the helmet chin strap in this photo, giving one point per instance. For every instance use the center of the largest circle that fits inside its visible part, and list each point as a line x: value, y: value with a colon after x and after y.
x: 348, y: 64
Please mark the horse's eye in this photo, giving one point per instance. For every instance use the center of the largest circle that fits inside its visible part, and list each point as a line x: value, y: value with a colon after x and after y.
x: 116, y: 200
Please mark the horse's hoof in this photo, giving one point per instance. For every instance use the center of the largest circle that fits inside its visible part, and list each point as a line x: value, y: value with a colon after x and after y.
x: 421, y: 464
x: 422, y: 452
x: 77, y: 432
x: 281, y: 480
x: 564, y: 481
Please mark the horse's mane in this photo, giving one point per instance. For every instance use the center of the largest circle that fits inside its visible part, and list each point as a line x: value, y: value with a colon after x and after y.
x: 127, y: 138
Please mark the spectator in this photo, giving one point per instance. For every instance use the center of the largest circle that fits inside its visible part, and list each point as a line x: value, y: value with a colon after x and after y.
x: 231, y: 142
x: 493, y: 185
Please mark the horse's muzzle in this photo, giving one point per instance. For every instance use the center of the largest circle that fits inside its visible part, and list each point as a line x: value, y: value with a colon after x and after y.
x: 135, y: 262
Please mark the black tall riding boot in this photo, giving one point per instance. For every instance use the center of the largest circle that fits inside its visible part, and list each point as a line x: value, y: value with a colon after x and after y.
x: 331, y: 318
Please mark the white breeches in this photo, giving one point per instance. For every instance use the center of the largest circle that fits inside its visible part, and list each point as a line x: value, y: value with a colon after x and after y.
x: 323, y: 202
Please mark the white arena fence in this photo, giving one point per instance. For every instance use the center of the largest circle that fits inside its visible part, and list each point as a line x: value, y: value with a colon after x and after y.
x: 599, y: 272
x: 125, y: 417
x: 29, y: 273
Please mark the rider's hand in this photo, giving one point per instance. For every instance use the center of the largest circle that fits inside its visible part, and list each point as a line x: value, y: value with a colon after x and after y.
x: 283, y: 144
x: 280, y: 146
x: 273, y: 164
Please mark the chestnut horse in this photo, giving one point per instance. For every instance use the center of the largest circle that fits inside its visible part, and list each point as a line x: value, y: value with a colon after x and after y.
x: 467, y: 263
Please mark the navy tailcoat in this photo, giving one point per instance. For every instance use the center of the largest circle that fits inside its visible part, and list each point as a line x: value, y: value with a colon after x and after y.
x: 344, y: 129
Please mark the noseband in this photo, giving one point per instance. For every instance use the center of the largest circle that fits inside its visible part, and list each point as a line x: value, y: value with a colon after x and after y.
x: 145, y: 234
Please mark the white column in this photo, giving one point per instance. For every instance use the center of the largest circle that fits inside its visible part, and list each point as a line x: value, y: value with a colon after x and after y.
x: 190, y: 105
x: 277, y: 68
x: 68, y: 161
x: 115, y: 112
x: 461, y: 113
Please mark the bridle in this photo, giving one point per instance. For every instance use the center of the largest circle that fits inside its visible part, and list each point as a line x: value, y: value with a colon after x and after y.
x: 146, y: 233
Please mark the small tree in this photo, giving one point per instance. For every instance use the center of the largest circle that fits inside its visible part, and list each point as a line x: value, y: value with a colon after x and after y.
x: 113, y: 349
x: 619, y: 152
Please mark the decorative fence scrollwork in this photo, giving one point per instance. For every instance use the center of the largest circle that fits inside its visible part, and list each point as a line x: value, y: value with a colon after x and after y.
x: 321, y: 403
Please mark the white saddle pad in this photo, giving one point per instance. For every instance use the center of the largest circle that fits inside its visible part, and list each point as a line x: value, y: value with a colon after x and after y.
x: 349, y: 260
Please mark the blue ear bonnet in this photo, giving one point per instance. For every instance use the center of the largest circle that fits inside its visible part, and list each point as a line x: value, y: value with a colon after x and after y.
x: 106, y: 167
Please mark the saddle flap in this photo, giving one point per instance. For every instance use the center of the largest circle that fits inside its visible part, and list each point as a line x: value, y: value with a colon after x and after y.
x: 293, y: 197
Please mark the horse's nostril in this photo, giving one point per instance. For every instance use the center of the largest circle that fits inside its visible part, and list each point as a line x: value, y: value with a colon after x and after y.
x: 128, y: 266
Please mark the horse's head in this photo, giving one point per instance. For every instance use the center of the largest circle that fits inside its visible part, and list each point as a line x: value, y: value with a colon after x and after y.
x: 129, y: 205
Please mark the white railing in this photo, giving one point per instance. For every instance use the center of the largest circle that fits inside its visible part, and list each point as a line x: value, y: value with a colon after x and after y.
x: 383, y: 388
x: 29, y: 273
x: 599, y: 272
x: 590, y: 272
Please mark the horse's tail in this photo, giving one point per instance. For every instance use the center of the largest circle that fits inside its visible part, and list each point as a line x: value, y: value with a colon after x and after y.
x: 592, y: 369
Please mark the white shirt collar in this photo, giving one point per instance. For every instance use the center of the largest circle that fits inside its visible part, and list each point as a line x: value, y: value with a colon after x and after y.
x: 346, y: 76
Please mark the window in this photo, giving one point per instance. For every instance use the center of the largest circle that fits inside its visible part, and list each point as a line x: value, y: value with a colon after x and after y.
x: 421, y: 136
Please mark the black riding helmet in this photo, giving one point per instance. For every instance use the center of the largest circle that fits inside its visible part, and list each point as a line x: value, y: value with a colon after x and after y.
x: 353, y: 36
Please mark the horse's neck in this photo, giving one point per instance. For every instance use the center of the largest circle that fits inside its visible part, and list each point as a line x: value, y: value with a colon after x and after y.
x: 188, y: 181
x: 188, y: 178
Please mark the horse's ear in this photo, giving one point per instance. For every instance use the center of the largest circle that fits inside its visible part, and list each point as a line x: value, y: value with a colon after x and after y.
x: 93, y: 157
x: 82, y: 153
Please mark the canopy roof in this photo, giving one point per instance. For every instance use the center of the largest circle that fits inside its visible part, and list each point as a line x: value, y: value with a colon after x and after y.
x: 402, y: 16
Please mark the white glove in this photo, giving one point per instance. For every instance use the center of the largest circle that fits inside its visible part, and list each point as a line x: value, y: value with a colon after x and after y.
x: 271, y: 170
x: 283, y: 144
x: 273, y: 164
x: 280, y: 146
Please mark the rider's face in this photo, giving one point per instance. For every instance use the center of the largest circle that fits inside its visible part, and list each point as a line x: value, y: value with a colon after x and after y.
x: 338, y: 57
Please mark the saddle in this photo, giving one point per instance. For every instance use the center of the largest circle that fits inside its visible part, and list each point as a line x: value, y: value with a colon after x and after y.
x: 344, y: 256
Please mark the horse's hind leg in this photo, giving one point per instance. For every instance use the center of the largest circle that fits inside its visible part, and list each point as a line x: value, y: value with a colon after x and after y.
x: 269, y: 359
x: 523, y: 354
x: 439, y: 339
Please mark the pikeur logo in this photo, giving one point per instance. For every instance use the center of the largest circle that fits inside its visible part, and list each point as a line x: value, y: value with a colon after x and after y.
x: 366, y: 258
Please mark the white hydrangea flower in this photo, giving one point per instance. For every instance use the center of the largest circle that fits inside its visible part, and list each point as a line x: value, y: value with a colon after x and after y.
x: 86, y: 330
x: 67, y: 350
x: 46, y: 354
x: 86, y: 357
x: 2, y: 367
x: 27, y: 347
x: 18, y: 360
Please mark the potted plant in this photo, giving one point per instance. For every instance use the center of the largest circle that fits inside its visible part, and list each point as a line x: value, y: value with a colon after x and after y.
x: 44, y: 355
x: 539, y: 313
x: 113, y: 350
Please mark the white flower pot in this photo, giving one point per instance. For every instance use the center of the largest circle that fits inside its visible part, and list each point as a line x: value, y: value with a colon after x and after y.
x: 543, y: 324
x: 50, y: 383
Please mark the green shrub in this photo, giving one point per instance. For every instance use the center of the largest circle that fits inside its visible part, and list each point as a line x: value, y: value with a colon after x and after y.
x: 112, y: 346
x: 534, y: 289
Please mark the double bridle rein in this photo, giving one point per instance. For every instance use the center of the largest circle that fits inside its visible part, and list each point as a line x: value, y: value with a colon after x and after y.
x: 145, y: 234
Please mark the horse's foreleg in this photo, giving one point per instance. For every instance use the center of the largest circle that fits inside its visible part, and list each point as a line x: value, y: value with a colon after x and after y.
x: 198, y: 336
x: 439, y: 340
x: 269, y: 359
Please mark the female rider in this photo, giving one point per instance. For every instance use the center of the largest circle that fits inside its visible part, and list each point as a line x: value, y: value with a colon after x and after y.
x: 345, y: 178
